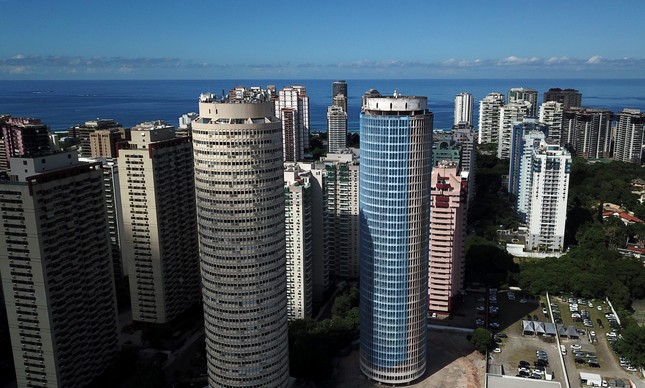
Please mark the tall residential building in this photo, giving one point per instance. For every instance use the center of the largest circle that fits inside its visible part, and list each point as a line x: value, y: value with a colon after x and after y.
x: 628, y: 146
x: 551, y: 115
x: 527, y: 136
x: 321, y: 267
x: 159, y: 245
x: 448, y: 208
x: 525, y: 94
x: 299, y: 238
x: 23, y: 137
x: 336, y: 128
x: 81, y: 133
x: 489, y: 108
x: 113, y: 208
x: 509, y: 114
x: 339, y: 88
x: 103, y: 142
x: 56, y: 271
x: 342, y: 213
x: 292, y: 108
x: 547, y: 212
x: 569, y: 98
x: 587, y: 132
x: 395, y: 177
x: 239, y: 181
x: 467, y: 138
x: 463, y: 109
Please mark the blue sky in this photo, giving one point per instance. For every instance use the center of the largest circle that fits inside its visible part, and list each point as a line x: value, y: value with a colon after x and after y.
x: 213, y: 39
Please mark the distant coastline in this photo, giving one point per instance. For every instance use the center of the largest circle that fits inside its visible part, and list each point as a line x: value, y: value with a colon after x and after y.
x: 62, y: 103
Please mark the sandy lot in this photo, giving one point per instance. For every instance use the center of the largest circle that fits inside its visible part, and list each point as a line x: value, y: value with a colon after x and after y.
x: 452, y: 362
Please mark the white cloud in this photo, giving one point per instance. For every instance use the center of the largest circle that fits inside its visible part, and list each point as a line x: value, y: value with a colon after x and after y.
x: 596, y: 59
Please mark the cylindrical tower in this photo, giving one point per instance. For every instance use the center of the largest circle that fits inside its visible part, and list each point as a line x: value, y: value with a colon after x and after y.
x: 395, y: 177
x: 239, y: 182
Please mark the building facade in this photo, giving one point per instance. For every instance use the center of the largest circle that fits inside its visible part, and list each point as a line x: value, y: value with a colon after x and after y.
x: 569, y: 98
x: 60, y: 298
x: 396, y: 146
x: 81, y: 133
x: 463, y: 109
x: 339, y: 88
x: 509, y: 114
x: 299, y: 238
x: 628, y: 146
x: 586, y: 132
x: 527, y: 136
x: 103, y: 143
x: 23, y: 136
x: 449, y: 205
x: 292, y: 108
x: 551, y: 115
x: 549, y: 191
x: 488, y: 126
x: 525, y: 94
x: 239, y: 182
x: 342, y: 214
x: 336, y: 128
x: 159, y: 245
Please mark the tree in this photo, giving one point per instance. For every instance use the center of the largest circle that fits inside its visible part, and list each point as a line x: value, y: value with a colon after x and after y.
x: 482, y: 339
x: 632, y: 345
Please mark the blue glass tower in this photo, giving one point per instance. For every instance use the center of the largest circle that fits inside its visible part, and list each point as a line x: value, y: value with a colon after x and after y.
x: 395, y: 178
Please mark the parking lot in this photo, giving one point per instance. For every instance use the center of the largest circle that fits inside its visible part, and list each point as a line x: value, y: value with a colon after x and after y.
x: 591, y: 348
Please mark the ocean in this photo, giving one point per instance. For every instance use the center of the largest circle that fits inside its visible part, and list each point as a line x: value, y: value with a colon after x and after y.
x: 62, y: 104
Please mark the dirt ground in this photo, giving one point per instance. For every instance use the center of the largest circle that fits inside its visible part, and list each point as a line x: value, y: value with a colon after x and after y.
x: 452, y: 362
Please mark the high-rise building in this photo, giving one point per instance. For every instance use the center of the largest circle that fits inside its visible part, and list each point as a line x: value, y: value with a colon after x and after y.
x: 239, y: 182
x: 113, y: 208
x: 56, y: 271
x: 569, y: 98
x: 81, y: 133
x: 467, y: 138
x: 339, y: 88
x: 525, y: 94
x: 292, y: 108
x: 336, y: 128
x: 489, y: 107
x: 549, y: 190
x: 103, y: 142
x: 299, y: 238
x: 509, y: 114
x: 23, y: 137
x: 551, y: 115
x: 395, y: 178
x: 159, y: 244
x: 463, y: 109
x: 449, y: 205
x: 586, y: 132
x: 628, y: 146
x: 527, y: 136
x: 342, y: 212
x: 321, y: 233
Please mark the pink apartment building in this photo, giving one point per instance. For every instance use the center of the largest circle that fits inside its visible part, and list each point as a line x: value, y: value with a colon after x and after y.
x: 449, y: 199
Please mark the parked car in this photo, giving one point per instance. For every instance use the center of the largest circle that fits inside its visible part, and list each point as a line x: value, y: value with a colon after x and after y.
x: 593, y: 364
x: 497, y: 350
x: 523, y: 363
x: 494, y: 325
x: 575, y: 347
x: 580, y: 360
x: 479, y: 322
x: 599, y: 322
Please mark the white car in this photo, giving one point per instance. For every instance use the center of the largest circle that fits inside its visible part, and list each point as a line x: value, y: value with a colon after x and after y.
x: 497, y: 350
x: 599, y: 308
x: 590, y: 304
x: 522, y: 300
x: 576, y: 347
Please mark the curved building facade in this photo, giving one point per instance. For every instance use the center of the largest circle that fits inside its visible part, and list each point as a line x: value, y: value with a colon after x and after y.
x: 237, y: 145
x: 395, y: 177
